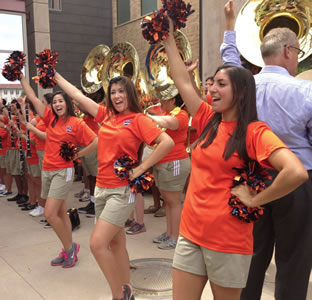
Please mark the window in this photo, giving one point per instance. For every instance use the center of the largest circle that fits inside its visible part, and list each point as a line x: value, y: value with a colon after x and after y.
x: 55, y: 4
x: 123, y: 11
x: 12, y: 37
x: 11, y: 92
x: 148, y: 6
x: 5, y: 92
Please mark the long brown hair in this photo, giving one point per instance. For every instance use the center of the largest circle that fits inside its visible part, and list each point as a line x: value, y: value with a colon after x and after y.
x: 244, y: 97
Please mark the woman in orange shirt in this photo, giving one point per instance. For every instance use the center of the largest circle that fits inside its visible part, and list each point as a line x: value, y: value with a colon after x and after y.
x: 58, y: 173
x: 123, y: 130
x: 213, y: 244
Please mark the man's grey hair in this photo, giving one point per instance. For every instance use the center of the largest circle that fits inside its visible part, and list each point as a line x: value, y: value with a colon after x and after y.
x: 273, y: 43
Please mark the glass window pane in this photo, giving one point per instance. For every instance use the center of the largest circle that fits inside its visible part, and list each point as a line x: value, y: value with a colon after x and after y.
x: 123, y: 11
x: 148, y: 6
x: 11, y: 32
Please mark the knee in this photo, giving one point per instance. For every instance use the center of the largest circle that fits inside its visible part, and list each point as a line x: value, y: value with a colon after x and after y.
x: 96, y: 245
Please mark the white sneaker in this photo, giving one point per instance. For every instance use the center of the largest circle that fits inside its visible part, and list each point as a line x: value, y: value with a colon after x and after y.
x: 2, y: 187
x: 85, y: 197
x: 38, y: 211
x: 3, y: 193
x: 79, y: 195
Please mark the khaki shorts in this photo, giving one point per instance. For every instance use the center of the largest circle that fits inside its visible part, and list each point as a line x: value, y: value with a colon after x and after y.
x: 171, y: 176
x: 40, y: 154
x: 89, y: 163
x: 13, y: 162
x: 223, y: 269
x: 33, y: 170
x: 56, y: 184
x: 114, y: 205
x: 2, y: 161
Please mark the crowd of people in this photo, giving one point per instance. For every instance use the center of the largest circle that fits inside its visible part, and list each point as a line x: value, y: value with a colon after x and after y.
x: 247, y: 116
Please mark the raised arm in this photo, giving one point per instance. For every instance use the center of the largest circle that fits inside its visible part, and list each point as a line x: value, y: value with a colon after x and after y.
x: 180, y: 75
x: 291, y: 175
x: 228, y: 50
x: 169, y: 122
x: 86, y: 103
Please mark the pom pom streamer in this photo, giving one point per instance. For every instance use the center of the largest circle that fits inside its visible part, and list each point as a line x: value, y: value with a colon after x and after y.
x: 141, y: 184
x: 68, y: 150
x: 156, y: 27
x: 13, y: 66
x: 254, y: 176
x: 46, y: 62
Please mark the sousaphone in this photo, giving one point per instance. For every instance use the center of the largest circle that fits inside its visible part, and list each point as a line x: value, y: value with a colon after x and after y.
x: 121, y: 60
x: 158, y: 74
x: 92, y: 69
x: 258, y: 17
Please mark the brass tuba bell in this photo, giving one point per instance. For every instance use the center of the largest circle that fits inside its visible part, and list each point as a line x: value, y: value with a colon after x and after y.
x: 257, y: 17
x: 121, y: 60
x: 91, y: 70
x: 158, y: 75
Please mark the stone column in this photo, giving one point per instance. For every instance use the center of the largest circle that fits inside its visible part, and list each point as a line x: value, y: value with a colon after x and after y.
x: 212, y: 29
x: 38, y: 36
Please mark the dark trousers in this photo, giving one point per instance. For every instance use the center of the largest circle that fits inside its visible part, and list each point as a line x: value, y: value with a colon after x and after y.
x: 287, y: 226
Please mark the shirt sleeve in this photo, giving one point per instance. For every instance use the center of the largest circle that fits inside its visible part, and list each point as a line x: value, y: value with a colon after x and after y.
x: 183, y: 119
x: 146, y: 129
x: 85, y: 134
x: 261, y: 142
x: 202, y: 116
x: 228, y: 49
x: 47, y: 116
x: 101, y: 114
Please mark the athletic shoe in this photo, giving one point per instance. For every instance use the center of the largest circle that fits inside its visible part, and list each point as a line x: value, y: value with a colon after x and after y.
x: 151, y: 209
x: 85, y: 197
x: 47, y: 226
x: 29, y: 207
x: 15, y: 198
x: 71, y: 256
x: 59, y: 260
x: 136, y: 228
x: 5, y: 193
x: 38, y: 211
x: 84, y: 209
x: 78, y: 195
x: 129, y: 223
x: 43, y: 221
x: 168, y: 244
x: 91, y: 212
x: 164, y: 236
x: 128, y: 293
x: 160, y: 212
x: 22, y: 199
x: 2, y: 187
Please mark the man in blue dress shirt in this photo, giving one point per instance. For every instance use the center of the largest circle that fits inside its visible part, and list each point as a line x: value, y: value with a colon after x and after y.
x: 285, y: 104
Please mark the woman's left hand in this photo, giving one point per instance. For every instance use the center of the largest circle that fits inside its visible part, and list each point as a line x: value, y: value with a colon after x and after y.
x: 135, y: 172
x: 244, y: 194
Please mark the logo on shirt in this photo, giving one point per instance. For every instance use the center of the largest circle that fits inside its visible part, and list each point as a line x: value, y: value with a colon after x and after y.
x: 127, y: 122
x: 69, y: 129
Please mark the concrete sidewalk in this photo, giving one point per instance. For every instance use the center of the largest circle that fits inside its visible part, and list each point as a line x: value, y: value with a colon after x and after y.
x: 26, y: 249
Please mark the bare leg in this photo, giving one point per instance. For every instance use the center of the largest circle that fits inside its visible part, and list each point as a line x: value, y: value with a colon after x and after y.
x: 37, y: 182
x: 156, y: 196
x: 8, y: 182
x: 32, y: 189
x: 56, y: 214
x: 108, y: 245
x: 187, y: 286
x: 223, y: 293
x: 173, y: 212
x: 139, y: 209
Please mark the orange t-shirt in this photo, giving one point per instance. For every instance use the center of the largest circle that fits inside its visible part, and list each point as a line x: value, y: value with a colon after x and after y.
x: 72, y: 130
x: 3, y: 137
x: 40, y: 144
x: 91, y: 123
x: 119, y: 135
x: 179, y: 137
x: 34, y: 159
x: 206, y: 217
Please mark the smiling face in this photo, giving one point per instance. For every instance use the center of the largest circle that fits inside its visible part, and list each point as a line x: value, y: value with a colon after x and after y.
x: 119, y: 98
x: 222, y: 96
x: 59, y: 106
